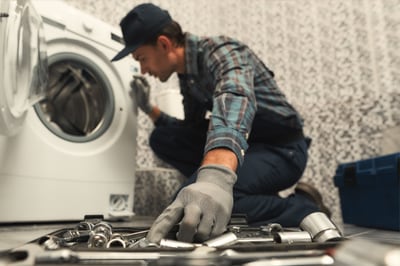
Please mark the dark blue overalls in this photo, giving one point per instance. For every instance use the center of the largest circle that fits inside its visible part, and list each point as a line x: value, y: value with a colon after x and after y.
x: 275, y: 160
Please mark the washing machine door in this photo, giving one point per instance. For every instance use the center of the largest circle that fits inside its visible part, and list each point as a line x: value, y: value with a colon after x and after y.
x: 23, y: 62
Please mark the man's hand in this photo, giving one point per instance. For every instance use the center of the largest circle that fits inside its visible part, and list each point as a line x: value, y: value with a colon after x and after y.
x: 205, y: 206
x: 141, y: 93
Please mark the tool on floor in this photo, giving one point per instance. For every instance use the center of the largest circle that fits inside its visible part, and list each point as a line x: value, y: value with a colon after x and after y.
x: 99, y: 234
x: 321, y: 228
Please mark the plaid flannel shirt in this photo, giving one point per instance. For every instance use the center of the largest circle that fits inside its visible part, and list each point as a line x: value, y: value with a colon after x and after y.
x: 223, y: 77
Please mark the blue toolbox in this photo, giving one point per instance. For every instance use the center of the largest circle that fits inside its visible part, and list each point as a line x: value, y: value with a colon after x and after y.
x: 370, y: 192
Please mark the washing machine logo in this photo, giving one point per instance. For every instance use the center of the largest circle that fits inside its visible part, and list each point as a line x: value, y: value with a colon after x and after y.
x: 119, y: 202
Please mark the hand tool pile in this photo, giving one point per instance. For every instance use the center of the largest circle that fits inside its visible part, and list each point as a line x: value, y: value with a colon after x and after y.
x: 97, y: 242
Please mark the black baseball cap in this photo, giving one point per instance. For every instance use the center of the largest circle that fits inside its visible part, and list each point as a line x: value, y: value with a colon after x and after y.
x: 139, y: 25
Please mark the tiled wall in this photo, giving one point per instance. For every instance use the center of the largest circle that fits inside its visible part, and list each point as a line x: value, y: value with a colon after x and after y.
x: 338, y: 61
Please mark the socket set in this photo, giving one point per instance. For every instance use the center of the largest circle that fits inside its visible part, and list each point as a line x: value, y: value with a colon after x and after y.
x: 98, y: 242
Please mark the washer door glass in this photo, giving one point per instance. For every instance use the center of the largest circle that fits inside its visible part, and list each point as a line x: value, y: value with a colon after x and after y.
x: 79, y: 101
x: 23, y: 63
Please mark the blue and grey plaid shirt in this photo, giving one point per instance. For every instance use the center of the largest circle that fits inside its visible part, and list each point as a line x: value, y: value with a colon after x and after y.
x: 224, y: 77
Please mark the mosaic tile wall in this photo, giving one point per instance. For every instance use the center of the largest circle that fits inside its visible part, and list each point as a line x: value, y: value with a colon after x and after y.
x: 338, y: 61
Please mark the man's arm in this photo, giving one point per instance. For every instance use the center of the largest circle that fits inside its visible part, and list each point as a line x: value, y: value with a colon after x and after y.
x: 155, y: 113
x: 221, y: 156
x: 140, y: 94
x: 202, y: 209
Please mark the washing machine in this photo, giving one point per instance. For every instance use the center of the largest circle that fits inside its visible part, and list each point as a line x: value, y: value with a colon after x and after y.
x: 67, y: 124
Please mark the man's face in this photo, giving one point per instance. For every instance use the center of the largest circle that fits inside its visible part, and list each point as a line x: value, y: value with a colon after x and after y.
x: 154, y: 60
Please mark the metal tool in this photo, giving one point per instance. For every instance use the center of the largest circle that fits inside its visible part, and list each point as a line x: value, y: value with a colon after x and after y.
x: 177, y: 244
x: 301, y: 261
x: 136, y: 235
x: 271, y: 228
x: 292, y: 237
x: 100, y: 234
x: 222, y: 240
x: 200, y: 256
x: 231, y: 238
x: 51, y: 242
x: 250, y: 232
x: 320, y: 227
x: 116, y: 241
x: 84, y: 226
x: 66, y: 256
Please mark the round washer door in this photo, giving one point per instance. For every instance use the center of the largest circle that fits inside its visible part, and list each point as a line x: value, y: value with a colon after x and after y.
x: 23, y: 62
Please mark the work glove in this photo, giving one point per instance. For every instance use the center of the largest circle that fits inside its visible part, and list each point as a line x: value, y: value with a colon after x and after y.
x: 141, y: 93
x: 202, y: 208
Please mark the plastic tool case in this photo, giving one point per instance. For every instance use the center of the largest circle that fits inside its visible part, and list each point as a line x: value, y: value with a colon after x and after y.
x: 370, y: 192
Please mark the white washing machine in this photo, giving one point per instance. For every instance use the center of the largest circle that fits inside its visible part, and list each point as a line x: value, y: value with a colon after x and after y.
x: 67, y: 124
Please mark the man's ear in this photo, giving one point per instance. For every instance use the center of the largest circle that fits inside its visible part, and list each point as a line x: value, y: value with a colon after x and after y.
x: 164, y: 42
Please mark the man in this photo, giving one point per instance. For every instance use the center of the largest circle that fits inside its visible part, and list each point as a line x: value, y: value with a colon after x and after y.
x: 240, y: 142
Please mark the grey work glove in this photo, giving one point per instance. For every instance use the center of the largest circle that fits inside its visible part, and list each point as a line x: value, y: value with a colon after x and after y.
x: 202, y: 208
x: 141, y: 93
